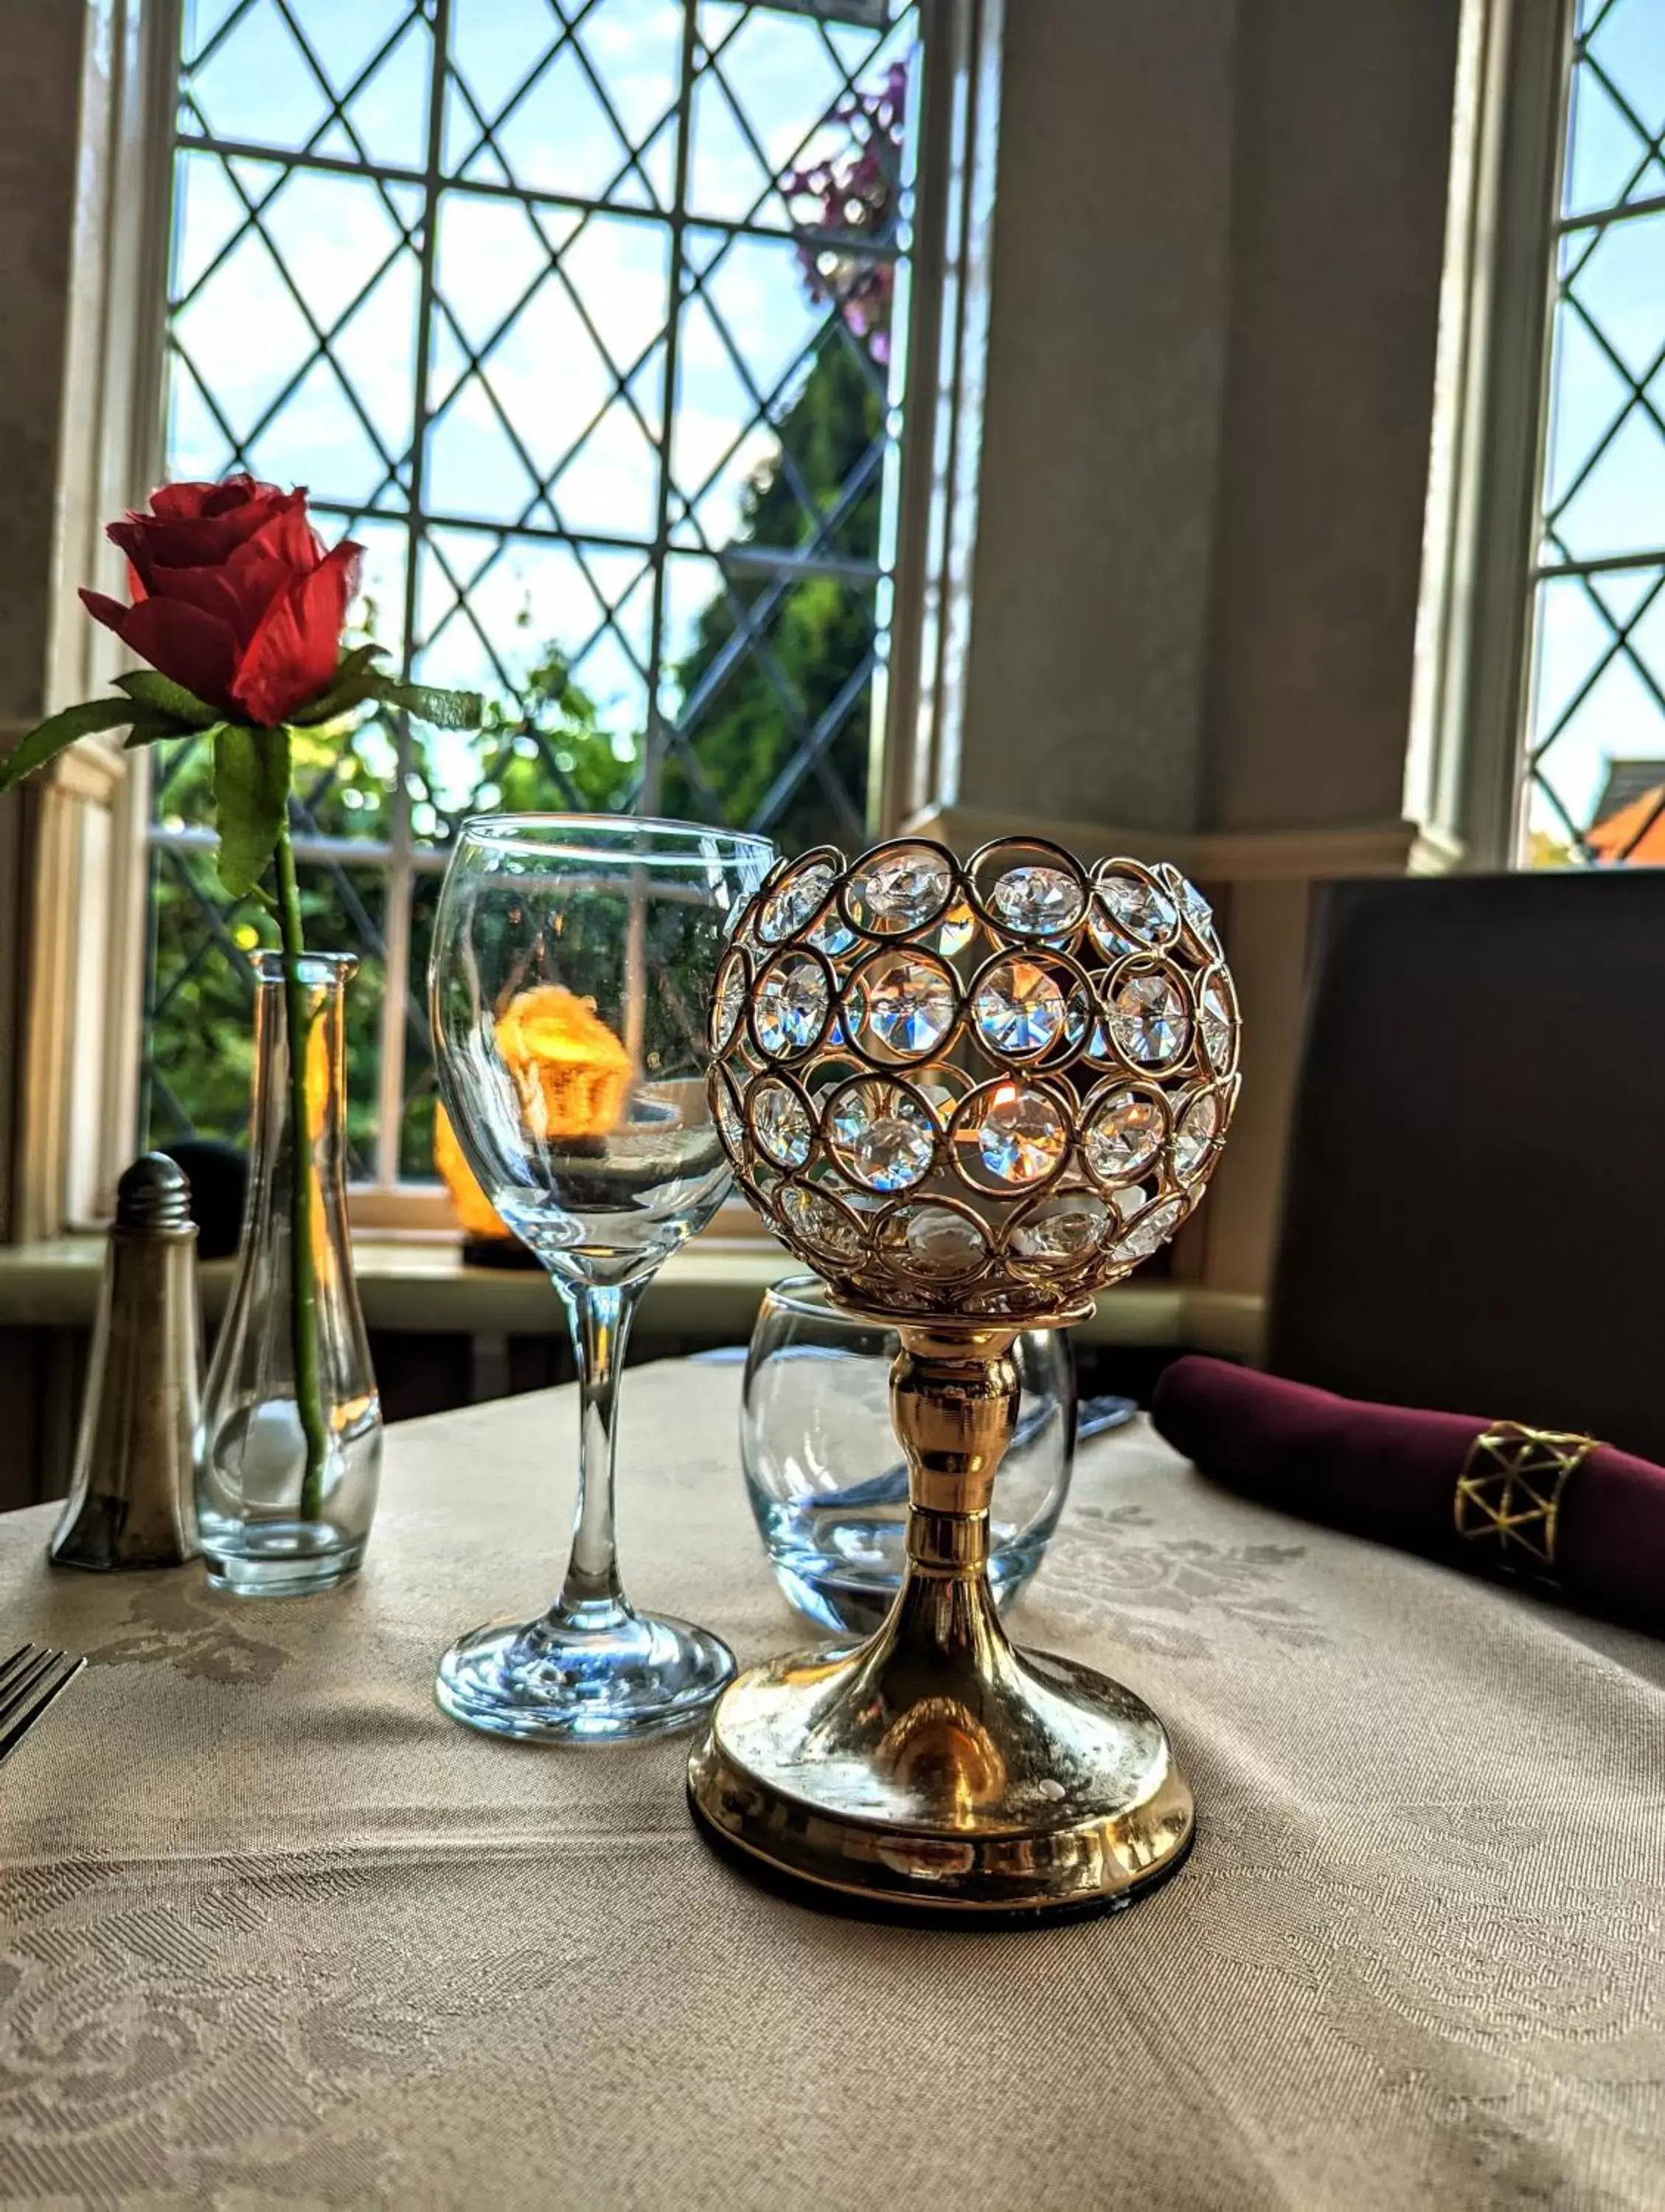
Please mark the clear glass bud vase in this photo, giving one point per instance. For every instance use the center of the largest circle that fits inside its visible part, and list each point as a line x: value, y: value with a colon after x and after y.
x: 289, y: 1450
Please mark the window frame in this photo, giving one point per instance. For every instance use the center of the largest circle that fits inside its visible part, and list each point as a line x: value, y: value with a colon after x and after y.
x: 1469, y: 759
x: 1465, y: 763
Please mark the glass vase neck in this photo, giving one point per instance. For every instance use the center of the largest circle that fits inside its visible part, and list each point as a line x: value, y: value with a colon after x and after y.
x: 318, y: 971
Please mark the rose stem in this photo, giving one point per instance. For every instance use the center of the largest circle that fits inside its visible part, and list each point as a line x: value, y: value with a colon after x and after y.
x: 303, y: 1291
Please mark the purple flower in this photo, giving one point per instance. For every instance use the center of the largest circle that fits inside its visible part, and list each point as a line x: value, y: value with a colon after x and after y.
x: 853, y: 192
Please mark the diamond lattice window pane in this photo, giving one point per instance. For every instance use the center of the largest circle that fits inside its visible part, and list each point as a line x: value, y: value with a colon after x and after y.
x: 1596, y: 739
x: 248, y: 79
x: 324, y: 270
x: 773, y: 722
x: 1605, y: 483
x: 506, y: 440
x: 782, y: 404
x: 768, y: 85
x: 565, y: 691
x: 1616, y: 102
x: 310, y: 75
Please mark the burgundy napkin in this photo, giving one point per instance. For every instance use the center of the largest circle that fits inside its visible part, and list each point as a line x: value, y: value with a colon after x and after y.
x: 1391, y: 1474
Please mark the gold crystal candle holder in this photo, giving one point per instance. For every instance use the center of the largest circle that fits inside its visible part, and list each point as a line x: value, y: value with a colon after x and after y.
x: 969, y: 1097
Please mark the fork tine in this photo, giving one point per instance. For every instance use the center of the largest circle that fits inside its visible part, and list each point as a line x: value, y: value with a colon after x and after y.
x: 63, y: 1667
x: 16, y: 1691
x: 8, y: 1665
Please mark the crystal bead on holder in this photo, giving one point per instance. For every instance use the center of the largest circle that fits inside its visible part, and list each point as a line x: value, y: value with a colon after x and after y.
x: 1020, y: 1059
x: 970, y: 1095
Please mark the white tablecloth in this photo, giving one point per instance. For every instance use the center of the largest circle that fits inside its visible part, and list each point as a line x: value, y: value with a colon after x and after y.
x: 274, y: 1931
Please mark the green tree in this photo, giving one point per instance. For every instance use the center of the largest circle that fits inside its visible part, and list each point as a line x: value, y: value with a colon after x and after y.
x: 817, y: 631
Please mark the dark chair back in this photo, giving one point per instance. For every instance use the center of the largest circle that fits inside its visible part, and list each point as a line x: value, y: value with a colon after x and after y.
x: 1475, y: 1206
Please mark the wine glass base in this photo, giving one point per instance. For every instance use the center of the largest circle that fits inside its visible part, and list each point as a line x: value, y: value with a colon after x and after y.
x: 543, y: 1683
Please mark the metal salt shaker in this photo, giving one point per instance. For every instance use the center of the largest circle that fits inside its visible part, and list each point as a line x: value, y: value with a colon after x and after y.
x: 131, y: 1502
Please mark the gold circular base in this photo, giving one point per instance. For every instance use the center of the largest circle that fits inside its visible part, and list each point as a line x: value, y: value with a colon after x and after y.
x: 1014, y: 1785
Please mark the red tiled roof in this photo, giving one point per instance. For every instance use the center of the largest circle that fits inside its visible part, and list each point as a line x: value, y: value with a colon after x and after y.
x: 1636, y: 835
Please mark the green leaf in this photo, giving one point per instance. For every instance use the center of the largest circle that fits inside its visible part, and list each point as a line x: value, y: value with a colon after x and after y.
x: 360, y: 659
x: 49, y: 739
x: 147, y: 728
x: 251, y: 792
x: 444, y: 710
x: 357, y: 679
x: 345, y: 694
x: 165, y: 697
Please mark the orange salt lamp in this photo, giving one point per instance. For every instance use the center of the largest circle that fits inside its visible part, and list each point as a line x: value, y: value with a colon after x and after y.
x: 572, y: 1075
x: 572, y: 1072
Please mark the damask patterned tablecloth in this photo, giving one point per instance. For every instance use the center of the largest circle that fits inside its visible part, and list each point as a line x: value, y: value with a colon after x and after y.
x: 274, y: 1932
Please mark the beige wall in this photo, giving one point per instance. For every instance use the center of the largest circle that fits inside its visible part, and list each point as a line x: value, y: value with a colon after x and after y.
x: 39, y: 132
x: 80, y: 256
x: 1338, y: 219
x: 1216, y: 268
x: 39, y: 86
x: 1101, y: 429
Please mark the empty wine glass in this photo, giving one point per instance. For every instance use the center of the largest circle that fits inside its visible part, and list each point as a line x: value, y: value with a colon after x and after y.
x: 572, y: 972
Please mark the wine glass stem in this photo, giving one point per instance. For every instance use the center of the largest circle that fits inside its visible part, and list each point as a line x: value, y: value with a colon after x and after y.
x: 600, y: 1315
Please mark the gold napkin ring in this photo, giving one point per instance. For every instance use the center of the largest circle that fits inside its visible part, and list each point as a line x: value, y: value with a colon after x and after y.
x: 1509, y: 1494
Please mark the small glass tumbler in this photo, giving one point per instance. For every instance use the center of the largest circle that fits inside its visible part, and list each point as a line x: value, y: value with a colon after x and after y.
x: 826, y: 1484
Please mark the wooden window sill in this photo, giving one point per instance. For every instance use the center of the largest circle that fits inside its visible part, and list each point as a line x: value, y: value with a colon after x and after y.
x: 419, y: 1283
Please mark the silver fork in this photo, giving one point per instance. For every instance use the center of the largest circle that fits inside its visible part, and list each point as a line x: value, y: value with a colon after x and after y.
x: 29, y: 1681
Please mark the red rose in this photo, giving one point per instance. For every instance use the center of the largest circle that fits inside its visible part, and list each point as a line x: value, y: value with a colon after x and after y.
x: 233, y: 596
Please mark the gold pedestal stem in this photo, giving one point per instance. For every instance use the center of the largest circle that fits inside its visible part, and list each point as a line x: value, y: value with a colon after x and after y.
x: 954, y: 1407
x: 937, y: 1767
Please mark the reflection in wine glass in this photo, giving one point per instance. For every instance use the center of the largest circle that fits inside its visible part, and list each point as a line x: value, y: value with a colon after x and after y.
x: 573, y: 965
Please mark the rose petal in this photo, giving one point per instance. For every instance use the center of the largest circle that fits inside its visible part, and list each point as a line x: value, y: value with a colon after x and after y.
x: 216, y: 591
x: 178, y: 503
x: 130, y: 535
x: 293, y: 654
x: 102, y: 608
x: 239, y: 489
x: 287, y: 535
x: 202, y: 543
x: 196, y: 649
x: 284, y: 549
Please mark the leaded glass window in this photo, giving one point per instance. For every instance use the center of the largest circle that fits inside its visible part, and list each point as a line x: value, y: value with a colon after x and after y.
x: 585, y: 319
x: 1595, y: 742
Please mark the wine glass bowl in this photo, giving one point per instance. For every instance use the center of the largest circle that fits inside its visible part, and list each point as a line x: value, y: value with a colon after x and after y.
x: 573, y: 962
